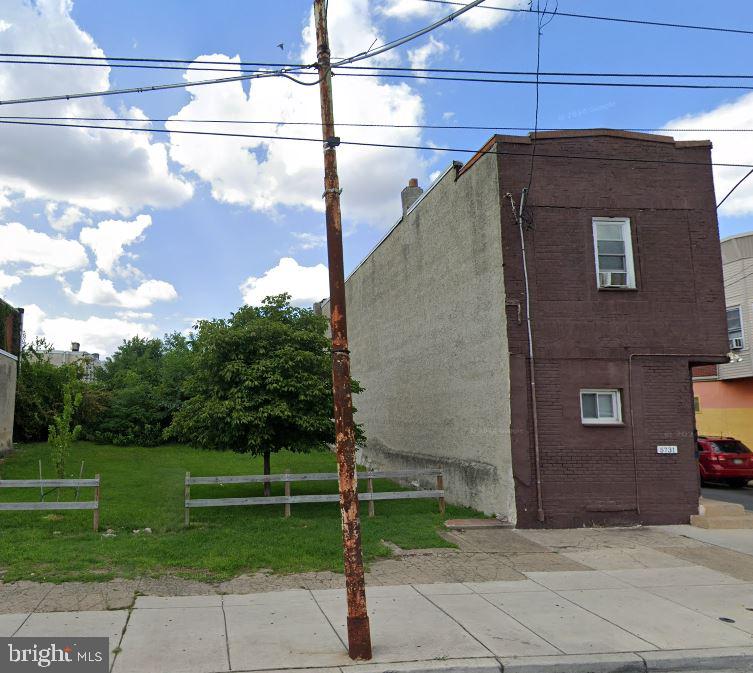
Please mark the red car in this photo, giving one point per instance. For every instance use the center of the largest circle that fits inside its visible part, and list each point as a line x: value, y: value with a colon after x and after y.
x: 726, y: 460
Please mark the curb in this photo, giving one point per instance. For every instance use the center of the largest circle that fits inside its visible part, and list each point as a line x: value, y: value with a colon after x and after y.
x: 737, y: 659
x: 721, y: 660
x: 576, y: 663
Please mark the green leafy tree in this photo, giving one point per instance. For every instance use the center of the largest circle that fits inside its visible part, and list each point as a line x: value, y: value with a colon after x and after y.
x: 261, y: 382
x: 138, y: 390
x: 62, y: 432
x: 39, y: 391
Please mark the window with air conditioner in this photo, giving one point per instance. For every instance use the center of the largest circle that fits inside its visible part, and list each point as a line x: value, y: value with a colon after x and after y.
x: 600, y: 407
x: 735, y: 328
x: 614, y: 253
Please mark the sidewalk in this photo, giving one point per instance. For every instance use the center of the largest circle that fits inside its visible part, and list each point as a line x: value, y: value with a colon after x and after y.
x: 644, y: 619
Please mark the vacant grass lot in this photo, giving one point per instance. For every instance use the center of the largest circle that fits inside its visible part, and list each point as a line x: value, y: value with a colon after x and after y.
x: 143, y: 487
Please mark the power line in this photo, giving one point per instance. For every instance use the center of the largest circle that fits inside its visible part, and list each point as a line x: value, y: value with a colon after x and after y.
x: 194, y: 64
x: 489, y: 80
x: 739, y: 182
x: 446, y: 127
x: 432, y: 148
x: 285, y: 72
x: 729, y: 283
x: 641, y: 22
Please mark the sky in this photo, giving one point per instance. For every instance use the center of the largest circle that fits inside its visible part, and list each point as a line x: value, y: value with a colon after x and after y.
x: 108, y: 234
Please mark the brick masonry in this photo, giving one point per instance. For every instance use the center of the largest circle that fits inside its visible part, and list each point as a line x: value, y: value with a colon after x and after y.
x: 584, y: 337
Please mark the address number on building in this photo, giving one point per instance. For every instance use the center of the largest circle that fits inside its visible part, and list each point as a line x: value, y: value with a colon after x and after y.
x: 666, y: 449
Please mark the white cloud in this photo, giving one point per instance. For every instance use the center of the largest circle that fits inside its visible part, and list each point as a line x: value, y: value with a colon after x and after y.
x: 266, y: 174
x: 7, y: 281
x: 728, y: 148
x: 63, y: 219
x: 97, y: 170
x: 421, y: 56
x: 109, y: 238
x: 478, y: 18
x: 96, y: 335
x: 135, y: 315
x: 308, y: 241
x: 38, y: 254
x: 97, y: 290
x: 305, y: 284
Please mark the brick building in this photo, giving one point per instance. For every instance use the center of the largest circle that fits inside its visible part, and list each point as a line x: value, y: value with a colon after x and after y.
x: 10, y: 350
x: 624, y: 286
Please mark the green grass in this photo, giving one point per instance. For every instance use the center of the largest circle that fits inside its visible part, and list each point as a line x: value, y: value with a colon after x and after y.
x: 143, y: 487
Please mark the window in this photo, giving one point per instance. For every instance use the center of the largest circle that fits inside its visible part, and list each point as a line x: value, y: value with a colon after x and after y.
x: 696, y: 404
x: 735, y: 328
x: 614, y: 252
x: 600, y: 407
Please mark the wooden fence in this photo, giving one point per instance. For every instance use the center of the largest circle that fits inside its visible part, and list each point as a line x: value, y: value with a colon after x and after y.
x: 287, y: 500
x: 53, y: 505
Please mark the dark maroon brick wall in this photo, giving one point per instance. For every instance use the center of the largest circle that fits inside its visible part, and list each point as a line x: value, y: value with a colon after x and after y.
x: 584, y: 337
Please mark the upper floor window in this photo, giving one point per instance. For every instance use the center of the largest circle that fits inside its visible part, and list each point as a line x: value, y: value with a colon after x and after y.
x: 614, y: 252
x: 735, y: 328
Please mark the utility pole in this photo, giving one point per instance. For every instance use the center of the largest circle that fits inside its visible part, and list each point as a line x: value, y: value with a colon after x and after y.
x: 359, y: 633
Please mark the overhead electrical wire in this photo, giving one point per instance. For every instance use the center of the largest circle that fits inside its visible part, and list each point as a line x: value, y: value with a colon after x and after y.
x: 739, y: 182
x: 447, y: 127
x: 193, y: 64
x: 421, y: 74
x: 616, y: 19
x: 432, y: 148
x: 284, y: 72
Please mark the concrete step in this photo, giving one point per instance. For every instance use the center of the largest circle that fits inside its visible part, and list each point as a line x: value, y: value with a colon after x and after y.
x: 712, y: 508
x: 722, y: 522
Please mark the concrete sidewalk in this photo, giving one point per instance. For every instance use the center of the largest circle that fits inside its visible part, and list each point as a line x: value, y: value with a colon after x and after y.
x: 641, y: 619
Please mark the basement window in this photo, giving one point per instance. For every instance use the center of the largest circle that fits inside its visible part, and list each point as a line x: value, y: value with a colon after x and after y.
x: 600, y: 407
x: 614, y: 253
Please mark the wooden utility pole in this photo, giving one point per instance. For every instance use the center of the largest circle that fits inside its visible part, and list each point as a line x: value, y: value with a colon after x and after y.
x: 359, y: 633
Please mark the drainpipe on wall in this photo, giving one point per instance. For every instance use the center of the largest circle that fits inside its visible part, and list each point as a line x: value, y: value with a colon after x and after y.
x: 531, y: 361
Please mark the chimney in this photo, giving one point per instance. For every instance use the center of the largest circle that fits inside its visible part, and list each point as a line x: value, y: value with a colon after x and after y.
x: 410, y: 194
x: 75, y: 345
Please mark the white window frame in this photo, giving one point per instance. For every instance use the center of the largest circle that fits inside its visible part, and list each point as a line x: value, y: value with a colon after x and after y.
x: 627, y: 239
x: 616, y: 405
x: 742, y: 327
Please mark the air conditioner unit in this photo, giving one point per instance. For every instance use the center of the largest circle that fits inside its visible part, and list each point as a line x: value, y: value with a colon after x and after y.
x: 612, y: 279
x: 736, y: 344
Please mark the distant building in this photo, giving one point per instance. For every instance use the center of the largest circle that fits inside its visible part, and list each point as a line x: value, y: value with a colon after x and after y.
x: 621, y: 277
x: 724, y: 393
x: 90, y: 361
x: 11, y: 324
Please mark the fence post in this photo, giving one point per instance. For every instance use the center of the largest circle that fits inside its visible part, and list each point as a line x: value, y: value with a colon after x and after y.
x: 440, y: 487
x: 96, y: 499
x: 370, y: 487
x: 287, y: 494
x: 186, y: 498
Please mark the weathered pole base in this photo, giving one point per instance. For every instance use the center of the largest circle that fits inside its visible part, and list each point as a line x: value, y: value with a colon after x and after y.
x: 359, y: 638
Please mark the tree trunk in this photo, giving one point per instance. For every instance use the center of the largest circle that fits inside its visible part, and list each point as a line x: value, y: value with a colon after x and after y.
x: 267, y: 470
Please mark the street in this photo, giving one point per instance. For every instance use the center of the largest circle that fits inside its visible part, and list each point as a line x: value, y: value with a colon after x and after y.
x: 741, y: 496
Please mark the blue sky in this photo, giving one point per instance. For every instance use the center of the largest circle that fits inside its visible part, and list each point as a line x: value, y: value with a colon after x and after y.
x: 192, y: 227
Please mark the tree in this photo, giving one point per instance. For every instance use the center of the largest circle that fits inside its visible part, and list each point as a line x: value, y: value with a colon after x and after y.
x: 138, y: 389
x: 39, y: 391
x: 62, y: 432
x: 261, y: 382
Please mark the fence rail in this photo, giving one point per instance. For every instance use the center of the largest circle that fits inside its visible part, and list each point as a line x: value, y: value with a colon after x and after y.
x: 54, y: 483
x: 287, y: 500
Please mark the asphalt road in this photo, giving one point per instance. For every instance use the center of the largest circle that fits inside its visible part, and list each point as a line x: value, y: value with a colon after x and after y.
x: 742, y: 496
